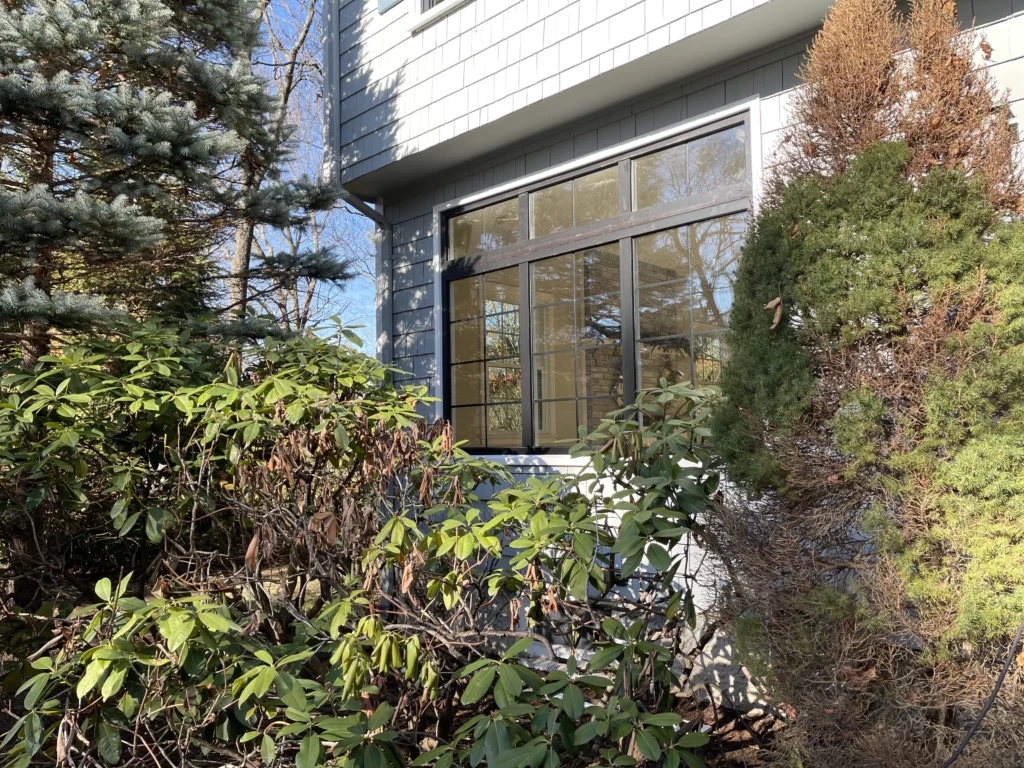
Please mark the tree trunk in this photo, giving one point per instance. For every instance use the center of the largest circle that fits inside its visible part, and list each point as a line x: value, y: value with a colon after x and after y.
x: 240, y: 266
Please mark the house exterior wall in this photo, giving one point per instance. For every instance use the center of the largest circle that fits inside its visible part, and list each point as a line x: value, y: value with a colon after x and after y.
x: 402, y: 93
x: 472, y: 66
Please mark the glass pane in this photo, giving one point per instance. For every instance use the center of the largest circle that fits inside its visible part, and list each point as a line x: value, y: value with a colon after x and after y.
x: 599, y: 371
x: 502, y: 335
x: 714, y: 256
x: 717, y: 160
x: 484, y: 230
x: 552, y: 280
x: 465, y: 233
x: 660, y: 177
x: 709, y: 355
x: 501, y: 225
x: 468, y: 384
x: 600, y: 319
x: 554, y: 327
x: 505, y: 425
x: 504, y: 381
x: 662, y: 256
x: 501, y: 290
x: 663, y: 310
x: 592, y: 411
x: 551, y: 209
x: 596, y: 196
x: 555, y: 376
x: 669, y: 359
x: 555, y: 421
x: 467, y: 340
x: 468, y: 424
x: 466, y: 298
x: 597, y: 270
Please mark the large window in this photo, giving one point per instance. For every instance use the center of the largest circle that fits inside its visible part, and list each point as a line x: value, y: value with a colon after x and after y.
x: 566, y: 297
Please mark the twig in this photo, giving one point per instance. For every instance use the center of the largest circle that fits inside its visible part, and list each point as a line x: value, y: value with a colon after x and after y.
x: 989, y: 702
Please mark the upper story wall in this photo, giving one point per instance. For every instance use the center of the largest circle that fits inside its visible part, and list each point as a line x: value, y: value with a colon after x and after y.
x: 494, y: 69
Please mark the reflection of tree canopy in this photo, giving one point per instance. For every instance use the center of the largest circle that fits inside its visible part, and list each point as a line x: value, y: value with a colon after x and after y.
x: 712, y: 250
x: 694, y: 168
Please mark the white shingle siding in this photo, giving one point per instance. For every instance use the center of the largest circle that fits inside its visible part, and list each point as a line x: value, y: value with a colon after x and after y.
x: 401, y: 93
x: 492, y: 55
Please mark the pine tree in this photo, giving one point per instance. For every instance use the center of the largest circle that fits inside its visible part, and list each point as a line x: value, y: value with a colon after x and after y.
x: 122, y: 126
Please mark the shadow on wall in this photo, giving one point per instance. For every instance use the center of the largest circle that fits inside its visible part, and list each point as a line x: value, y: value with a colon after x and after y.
x: 365, y: 113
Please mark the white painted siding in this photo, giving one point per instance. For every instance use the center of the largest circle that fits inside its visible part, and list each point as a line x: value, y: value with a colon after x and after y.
x: 407, y: 332
x: 401, y: 93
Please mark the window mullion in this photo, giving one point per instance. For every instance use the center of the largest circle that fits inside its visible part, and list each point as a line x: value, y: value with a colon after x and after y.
x: 625, y: 187
x: 526, y: 354
x: 629, y: 346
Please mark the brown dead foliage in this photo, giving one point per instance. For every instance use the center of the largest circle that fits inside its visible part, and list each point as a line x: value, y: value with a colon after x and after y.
x: 873, y: 75
x: 863, y: 696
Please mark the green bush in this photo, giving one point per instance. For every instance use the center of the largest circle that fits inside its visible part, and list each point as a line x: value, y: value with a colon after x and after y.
x: 880, y: 425
x: 291, y: 566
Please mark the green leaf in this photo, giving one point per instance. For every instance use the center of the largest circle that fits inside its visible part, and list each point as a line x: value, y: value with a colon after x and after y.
x: 309, y: 752
x: 267, y: 749
x: 108, y: 739
x: 114, y: 681
x: 658, y: 557
x: 217, y: 623
x: 663, y: 719
x: 603, y: 658
x: 573, y: 702
x: 510, y: 681
x: 177, y: 629
x: 381, y: 716
x: 585, y: 733
x: 35, y: 686
x: 94, y: 672
x: 478, y: 686
x: 693, y: 740
x: 32, y: 733
x: 647, y: 744
x: 264, y: 680
x: 290, y: 691
x: 103, y: 589
x: 518, y: 647
x: 157, y: 520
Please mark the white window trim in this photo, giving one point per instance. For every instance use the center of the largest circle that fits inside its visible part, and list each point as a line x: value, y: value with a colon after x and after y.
x: 422, y: 19
x: 751, y: 106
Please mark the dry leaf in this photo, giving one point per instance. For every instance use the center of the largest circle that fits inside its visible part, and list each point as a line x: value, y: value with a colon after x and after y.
x: 251, y: 551
x: 332, y: 530
x: 794, y: 233
x: 777, y: 318
x: 774, y: 303
x: 407, y: 577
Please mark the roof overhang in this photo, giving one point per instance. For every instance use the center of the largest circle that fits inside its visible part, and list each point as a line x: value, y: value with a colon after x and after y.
x: 745, y: 34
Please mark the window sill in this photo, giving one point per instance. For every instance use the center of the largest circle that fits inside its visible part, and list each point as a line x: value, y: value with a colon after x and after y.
x: 427, y: 18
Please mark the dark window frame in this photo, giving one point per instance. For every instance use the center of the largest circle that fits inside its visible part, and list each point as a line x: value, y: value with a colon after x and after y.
x: 622, y: 229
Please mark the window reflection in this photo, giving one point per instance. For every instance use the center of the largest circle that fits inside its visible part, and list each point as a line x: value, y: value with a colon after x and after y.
x: 577, y: 333
x: 684, y: 278
x: 486, y: 370
x: 685, y: 170
x: 575, y: 203
x: 484, y: 230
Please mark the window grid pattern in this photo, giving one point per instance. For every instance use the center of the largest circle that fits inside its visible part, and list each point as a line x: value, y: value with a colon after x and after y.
x: 576, y: 347
x: 647, y: 297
